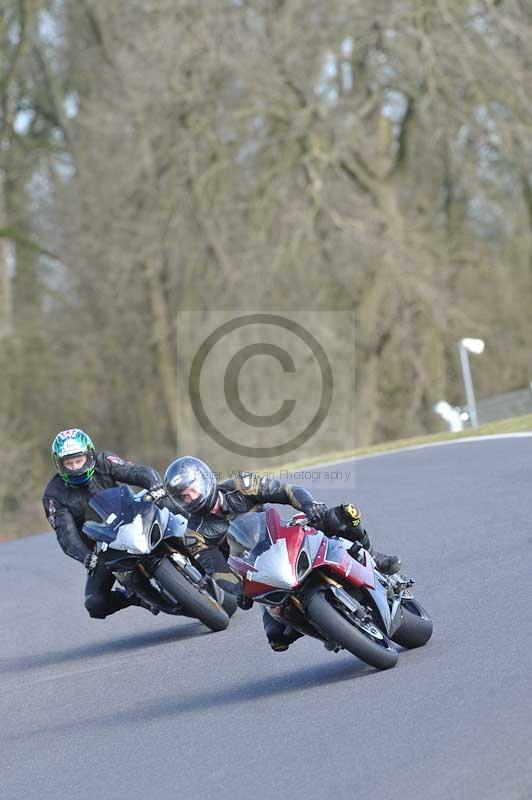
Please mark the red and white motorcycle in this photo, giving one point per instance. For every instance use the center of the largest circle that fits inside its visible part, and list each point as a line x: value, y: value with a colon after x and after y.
x: 309, y: 582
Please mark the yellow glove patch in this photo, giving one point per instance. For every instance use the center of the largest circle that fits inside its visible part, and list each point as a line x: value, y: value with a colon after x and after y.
x: 353, y: 512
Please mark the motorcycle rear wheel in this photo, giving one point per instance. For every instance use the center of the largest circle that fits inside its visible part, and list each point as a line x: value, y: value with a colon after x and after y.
x: 416, y: 627
x: 229, y: 603
x: 195, y: 601
x: 378, y: 652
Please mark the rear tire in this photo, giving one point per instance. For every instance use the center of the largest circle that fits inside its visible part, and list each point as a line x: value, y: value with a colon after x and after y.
x: 195, y: 601
x: 336, y: 628
x: 416, y: 628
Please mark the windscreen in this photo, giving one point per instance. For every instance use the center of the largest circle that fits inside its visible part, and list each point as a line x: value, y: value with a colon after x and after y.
x: 116, y: 507
x: 248, y: 534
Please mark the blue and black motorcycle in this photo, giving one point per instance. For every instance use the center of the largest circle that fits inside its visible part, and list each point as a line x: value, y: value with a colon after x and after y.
x: 144, y: 547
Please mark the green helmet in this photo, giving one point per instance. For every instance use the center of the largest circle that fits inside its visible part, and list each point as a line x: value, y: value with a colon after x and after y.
x: 69, y: 443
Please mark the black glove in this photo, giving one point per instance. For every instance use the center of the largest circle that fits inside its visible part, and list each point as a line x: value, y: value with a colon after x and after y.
x: 90, y: 562
x: 315, y: 513
x: 157, y: 492
x: 342, y: 520
x: 351, y: 514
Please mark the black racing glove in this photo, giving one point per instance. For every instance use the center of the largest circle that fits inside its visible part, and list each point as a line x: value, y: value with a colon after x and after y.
x: 90, y: 562
x: 351, y: 514
x: 343, y: 520
x: 157, y: 492
x: 315, y: 513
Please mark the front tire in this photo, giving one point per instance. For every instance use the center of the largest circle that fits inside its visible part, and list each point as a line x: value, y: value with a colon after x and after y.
x: 195, y: 601
x: 416, y: 627
x: 378, y: 652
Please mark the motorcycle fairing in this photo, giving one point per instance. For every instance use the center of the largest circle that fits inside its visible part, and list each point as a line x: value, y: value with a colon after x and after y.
x: 172, y: 524
x: 251, y: 587
x: 127, y: 521
x: 240, y: 566
x: 380, y: 598
x: 276, y: 566
x: 132, y: 537
x: 116, y: 507
x: 292, y: 535
x: 314, y: 542
x: 360, y: 573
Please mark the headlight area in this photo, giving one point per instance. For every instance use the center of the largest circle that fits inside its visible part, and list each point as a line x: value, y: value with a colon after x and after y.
x: 303, y: 565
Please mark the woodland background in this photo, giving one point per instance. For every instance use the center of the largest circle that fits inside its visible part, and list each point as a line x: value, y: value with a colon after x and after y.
x: 165, y: 155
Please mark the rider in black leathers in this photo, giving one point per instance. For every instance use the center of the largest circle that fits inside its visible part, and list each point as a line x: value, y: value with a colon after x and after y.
x: 66, y: 499
x: 192, y: 486
x: 209, y: 517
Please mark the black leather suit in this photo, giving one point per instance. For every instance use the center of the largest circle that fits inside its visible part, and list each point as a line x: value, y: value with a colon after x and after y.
x: 66, y: 506
x: 206, y: 533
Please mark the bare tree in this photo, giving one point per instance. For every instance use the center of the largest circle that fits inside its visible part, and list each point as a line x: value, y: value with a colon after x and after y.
x: 161, y: 157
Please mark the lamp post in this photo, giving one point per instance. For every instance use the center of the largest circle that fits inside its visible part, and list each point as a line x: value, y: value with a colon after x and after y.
x: 467, y: 346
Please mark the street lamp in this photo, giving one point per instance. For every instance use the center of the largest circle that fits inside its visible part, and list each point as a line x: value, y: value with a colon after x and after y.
x: 466, y: 346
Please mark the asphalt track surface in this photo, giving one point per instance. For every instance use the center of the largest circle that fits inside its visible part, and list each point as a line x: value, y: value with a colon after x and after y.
x: 137, y: 706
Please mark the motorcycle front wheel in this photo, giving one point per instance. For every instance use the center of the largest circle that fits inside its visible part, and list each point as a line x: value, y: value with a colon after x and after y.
x: 364, y: 641
x: 195, y: 601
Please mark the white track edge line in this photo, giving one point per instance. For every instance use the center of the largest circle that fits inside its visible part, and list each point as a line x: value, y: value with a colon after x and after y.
x: 464, y: 440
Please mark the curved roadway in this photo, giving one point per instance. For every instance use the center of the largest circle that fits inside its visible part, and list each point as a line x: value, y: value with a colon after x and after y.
x: 137, y: 706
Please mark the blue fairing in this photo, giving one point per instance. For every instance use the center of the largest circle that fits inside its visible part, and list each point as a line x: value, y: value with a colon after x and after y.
x: 116, y: 507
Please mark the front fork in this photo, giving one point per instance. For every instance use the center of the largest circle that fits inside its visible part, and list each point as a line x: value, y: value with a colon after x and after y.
x: 293, y: 611
x: 378, y: 602
x: 140, y: 580
x: 193, y: 570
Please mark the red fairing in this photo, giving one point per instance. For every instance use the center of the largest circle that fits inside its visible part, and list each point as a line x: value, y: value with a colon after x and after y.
x: 331, y: 557
x: 319, y: 561
x: 250, y: 588
x: 331, y: 554
x: 337, y: 560
x: 360, y: 575
x: 253, y: 588
x: 299, y: 516
x: 238, y: 565
x: 293, y: 534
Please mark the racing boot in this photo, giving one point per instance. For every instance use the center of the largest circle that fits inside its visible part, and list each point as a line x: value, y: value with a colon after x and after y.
x: 388, y: 565
x: 134, y: 600
x: 279, y: 636
x: 289, y: 637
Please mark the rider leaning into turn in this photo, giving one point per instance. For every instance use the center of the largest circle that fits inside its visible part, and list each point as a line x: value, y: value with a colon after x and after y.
x: 192, y: 485
x: 81, y: 472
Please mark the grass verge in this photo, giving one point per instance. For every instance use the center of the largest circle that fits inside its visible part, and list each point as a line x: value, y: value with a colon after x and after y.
x: 513, y: 425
